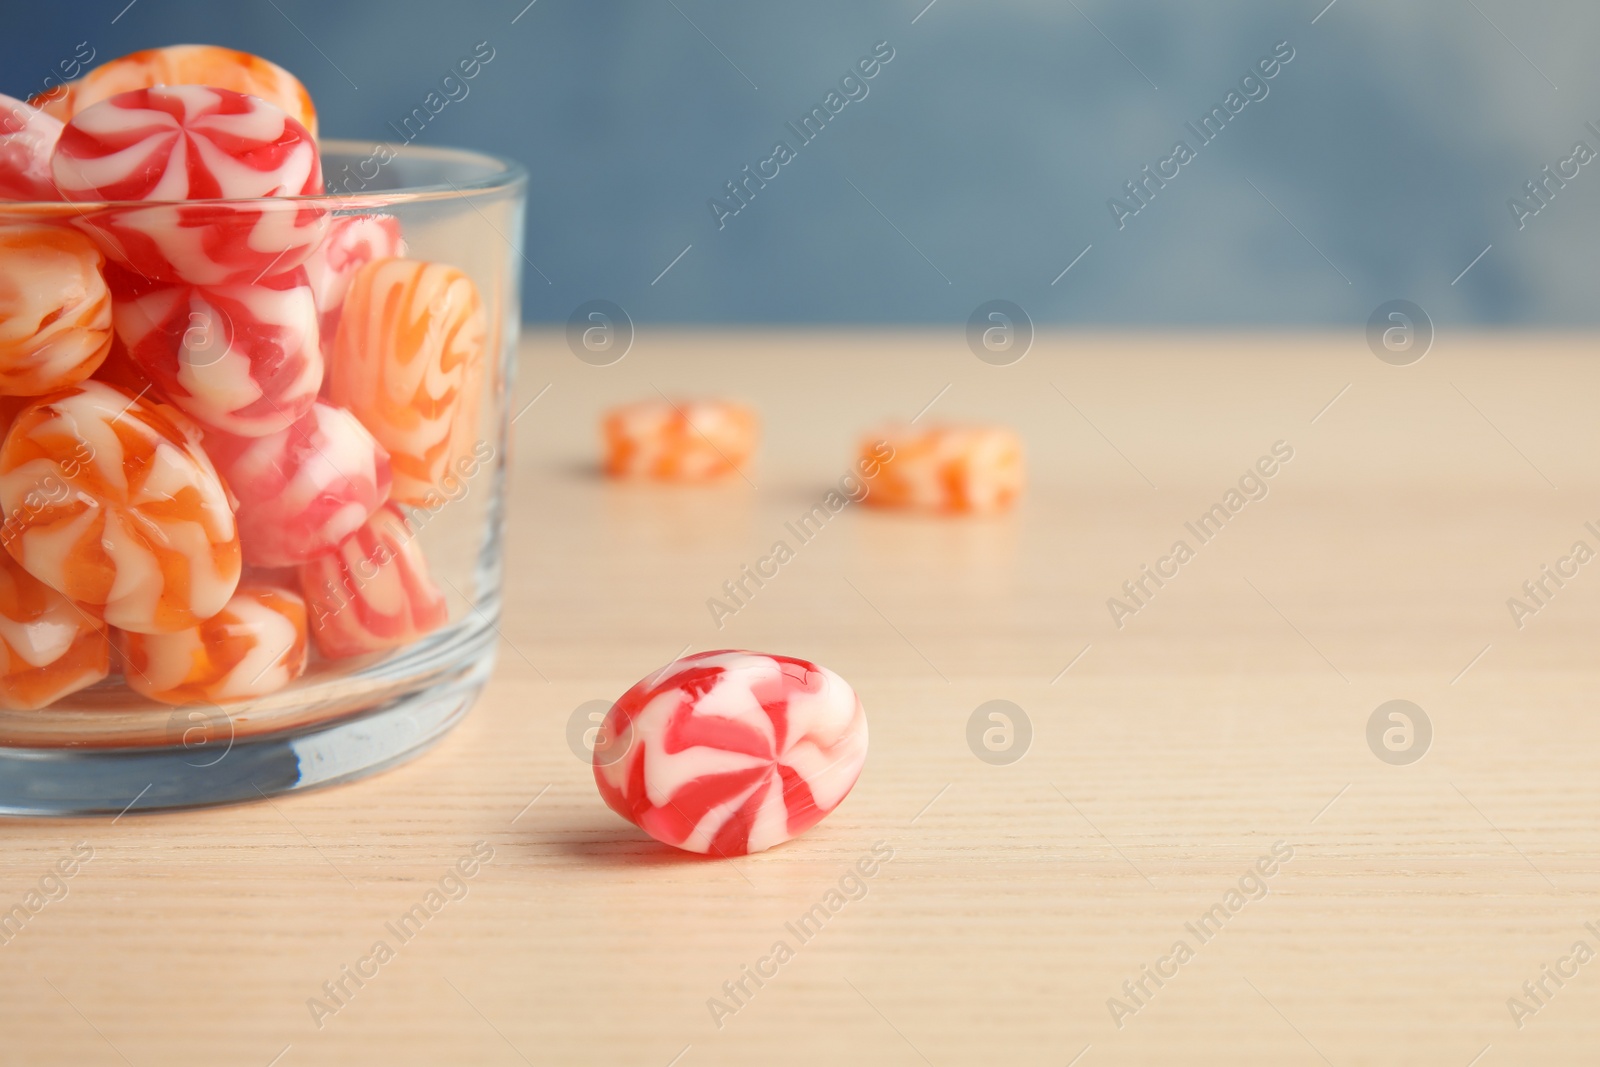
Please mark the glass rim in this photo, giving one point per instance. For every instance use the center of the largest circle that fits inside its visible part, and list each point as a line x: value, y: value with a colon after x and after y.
x: 502, y: 174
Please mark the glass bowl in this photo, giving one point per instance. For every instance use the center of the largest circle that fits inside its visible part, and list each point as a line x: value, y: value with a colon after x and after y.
x: 106, y: 749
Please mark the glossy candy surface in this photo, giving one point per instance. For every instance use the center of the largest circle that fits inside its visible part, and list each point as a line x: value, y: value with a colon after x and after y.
x: 946, y: 468
x: 678, y: 441
x: 190, y: 142
x: 353, y: 241
x: 240, y: 358
x: 185, y: 64
x: 111, y: 500
x: 304, y: 489
x: 55, y: 310
x: 27, y: 139
x: 373, y: 593
x: 731, y: 752
x: 49, y: 647
x: 254, y: 646
x: 409, y: 362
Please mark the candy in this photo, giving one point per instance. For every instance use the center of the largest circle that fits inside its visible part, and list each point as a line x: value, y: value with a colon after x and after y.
x: 241, y: 358
x: 304, y: 489
x: 408, y: 361
x: 191, y: 142
x: 142, y: 525
x: 184, y: 64
x: 944, y: 468
x: 731, y: 752
x: 352, y: 242
x: 254, y: 646
x: 374, y: 592
x: 685, y: 441
x: 49, y: 647
x: 55, y: 311
x: 27, y: 138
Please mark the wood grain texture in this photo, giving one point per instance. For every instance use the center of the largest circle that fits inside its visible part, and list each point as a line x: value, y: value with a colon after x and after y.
x: 1227, y: 714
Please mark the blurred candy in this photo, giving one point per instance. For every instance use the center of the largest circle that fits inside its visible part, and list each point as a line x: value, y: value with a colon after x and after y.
x: 184, y: 64
x: 408, y: 361
x: 374, y: 592
x: 945, y: 468
x: 240, y: 358
x: 731, y: 752
x: 352, y: 242
x: 49, y: 647
x: 191, y: 142
x: 55, y: 311
x: 120, y: 370
x: 27, y: 138
x: 254, y: 646
x: 141, y: 523
x: 304, y: 489
x: 683, y: 441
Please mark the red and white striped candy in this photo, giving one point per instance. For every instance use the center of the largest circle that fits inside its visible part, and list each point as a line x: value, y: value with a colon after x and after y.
x: 374, y: 592
x: 244, y: 359
x: 304, y: 489
x: 27, y: 138
x: 731, y: 752
x: 353, y: 241
x: 254, y: 646
x: 192, y: 142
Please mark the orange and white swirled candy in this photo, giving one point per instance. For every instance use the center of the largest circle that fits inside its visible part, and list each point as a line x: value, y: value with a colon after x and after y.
x: 49, y: 647
x: 27, y: 138
x: 944, y: 468
x: 409, y: 362
x: 373, y: 592
x: 144, y: 528
x: 678, y: 441
x: 254, y: 646
x: 184, y: 64
x: 55, y: 310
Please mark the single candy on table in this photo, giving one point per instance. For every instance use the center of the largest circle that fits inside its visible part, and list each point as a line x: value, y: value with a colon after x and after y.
x: 304, y: 489
x: 55, y: 310
x: 944, y: 468
x: 49, y: 646
x: 353, y: 241
x: 111, y: 500
x: 193, y: 142
x: 254, y: 646
x: 373, y: 593
x: 409, y: 362
x: 27, y: 139
x: 682, y: 441
x: 184, y: 64
x: 244, y: 359
x: 731, y: 752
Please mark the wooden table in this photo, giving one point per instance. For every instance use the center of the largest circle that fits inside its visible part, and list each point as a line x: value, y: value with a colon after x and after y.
x: 1168, y: 755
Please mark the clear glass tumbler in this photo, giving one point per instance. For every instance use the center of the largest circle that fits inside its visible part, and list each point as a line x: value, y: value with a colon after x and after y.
x: 106, y: 748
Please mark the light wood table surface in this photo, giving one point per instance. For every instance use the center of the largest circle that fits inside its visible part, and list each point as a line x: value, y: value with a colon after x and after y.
x: 1167, y: 756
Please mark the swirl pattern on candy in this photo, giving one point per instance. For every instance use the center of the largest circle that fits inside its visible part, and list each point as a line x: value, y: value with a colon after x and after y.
x: 240, y: 358
x: 731, y: 752
x: 254, y: 646
x: 49, y: 647
x: 686, y: 441
x: 945, y: 468
x: 143, y: 525
x: 27, y: 139
x: 409, y: 362
x: 373, y: 593
x: 184, y: 64
x: 303, y: 490
x: 353, y: 241
x: 192, y: 142
x: 55, y: 310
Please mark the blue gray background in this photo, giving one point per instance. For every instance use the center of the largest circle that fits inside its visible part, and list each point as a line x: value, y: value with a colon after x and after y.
x: 979, y: 167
